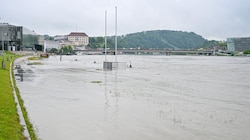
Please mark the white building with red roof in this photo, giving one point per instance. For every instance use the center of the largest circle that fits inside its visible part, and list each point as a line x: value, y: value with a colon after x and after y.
x: 78, y: 39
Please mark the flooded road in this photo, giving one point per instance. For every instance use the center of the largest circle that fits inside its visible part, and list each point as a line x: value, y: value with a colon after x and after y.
x: 161, y: 97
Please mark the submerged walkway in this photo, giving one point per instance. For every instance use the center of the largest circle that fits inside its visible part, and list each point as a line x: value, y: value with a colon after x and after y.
x: 19, y: 111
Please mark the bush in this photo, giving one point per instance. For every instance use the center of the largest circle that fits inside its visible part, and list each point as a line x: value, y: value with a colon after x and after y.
x: 53, y: 50
x: 246, y: 52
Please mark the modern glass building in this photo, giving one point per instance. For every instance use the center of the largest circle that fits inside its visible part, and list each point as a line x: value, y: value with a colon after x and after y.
x: 11, y: 37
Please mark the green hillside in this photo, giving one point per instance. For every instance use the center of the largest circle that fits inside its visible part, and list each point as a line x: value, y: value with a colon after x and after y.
x: 152, y: 39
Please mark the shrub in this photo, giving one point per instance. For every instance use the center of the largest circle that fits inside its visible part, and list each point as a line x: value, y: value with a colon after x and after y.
x: 246, y: 52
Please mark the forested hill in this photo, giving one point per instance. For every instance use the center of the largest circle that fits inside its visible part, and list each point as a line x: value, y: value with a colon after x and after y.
x: 152, y: 39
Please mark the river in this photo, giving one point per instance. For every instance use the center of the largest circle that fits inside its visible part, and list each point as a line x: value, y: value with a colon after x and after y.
x: 160, y: 97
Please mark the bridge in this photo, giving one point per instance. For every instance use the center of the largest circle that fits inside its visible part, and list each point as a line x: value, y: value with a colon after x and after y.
x: 147, y: 51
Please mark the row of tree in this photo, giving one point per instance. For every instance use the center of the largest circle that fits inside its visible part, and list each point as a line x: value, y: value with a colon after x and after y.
x: 64, y: 50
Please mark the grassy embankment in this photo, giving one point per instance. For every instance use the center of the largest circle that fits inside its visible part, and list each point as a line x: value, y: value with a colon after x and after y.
x: 10, y: 127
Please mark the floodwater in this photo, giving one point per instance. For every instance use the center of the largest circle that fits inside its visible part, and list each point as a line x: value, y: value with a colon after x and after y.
x: 160, y: 97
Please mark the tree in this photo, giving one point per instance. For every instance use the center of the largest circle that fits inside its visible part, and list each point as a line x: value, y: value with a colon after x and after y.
x: 66, y: 50
x: 96, y: 42
x: 152, y: 39
x: 53, y: 50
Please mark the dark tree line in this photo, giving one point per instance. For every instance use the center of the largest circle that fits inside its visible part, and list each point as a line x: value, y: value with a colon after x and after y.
x: 161, y: 39
x: 99, y: 42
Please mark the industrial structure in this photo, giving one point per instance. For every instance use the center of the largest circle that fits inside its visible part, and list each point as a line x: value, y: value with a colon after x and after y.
x: 11, y: 37
x: 238, y: 44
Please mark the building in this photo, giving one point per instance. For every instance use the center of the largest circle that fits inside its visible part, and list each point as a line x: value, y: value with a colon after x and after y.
x: 238, y: 44
x: 11, y: 37
x: 50, y: 44
x: 60, y: 37
x: 78, y: 39
x: 40, y: 40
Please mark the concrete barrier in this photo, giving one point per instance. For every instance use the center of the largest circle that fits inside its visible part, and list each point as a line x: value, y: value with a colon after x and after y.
x: 114, y: 65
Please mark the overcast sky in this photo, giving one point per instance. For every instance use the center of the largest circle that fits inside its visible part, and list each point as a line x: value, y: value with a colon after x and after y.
x: 212, y: 19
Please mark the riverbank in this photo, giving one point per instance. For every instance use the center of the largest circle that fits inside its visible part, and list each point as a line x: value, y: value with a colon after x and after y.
x: 10, y: 126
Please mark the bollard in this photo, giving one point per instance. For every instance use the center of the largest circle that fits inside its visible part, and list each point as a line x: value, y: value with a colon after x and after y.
x: 17, y: 67
x: 3, y: 64
x: 20, y: 70
x: 21, y: 77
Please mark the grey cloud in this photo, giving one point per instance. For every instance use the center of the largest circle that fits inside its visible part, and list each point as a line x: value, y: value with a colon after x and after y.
x: 213, y: 19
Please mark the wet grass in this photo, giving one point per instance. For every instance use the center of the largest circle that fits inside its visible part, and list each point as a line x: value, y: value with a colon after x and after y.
x: 10, y: 127
x: 35, y: 63
x: 34, y: 58
x: 98, y: 82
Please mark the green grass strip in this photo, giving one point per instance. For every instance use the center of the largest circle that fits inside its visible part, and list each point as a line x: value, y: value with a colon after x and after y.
x: 10, y: 127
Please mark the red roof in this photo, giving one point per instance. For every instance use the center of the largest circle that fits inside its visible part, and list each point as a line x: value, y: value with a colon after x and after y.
x: 77, y: 34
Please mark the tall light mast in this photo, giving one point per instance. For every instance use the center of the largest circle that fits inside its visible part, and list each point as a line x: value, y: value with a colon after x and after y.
x: 105, y: 36
x: 115, y: 34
